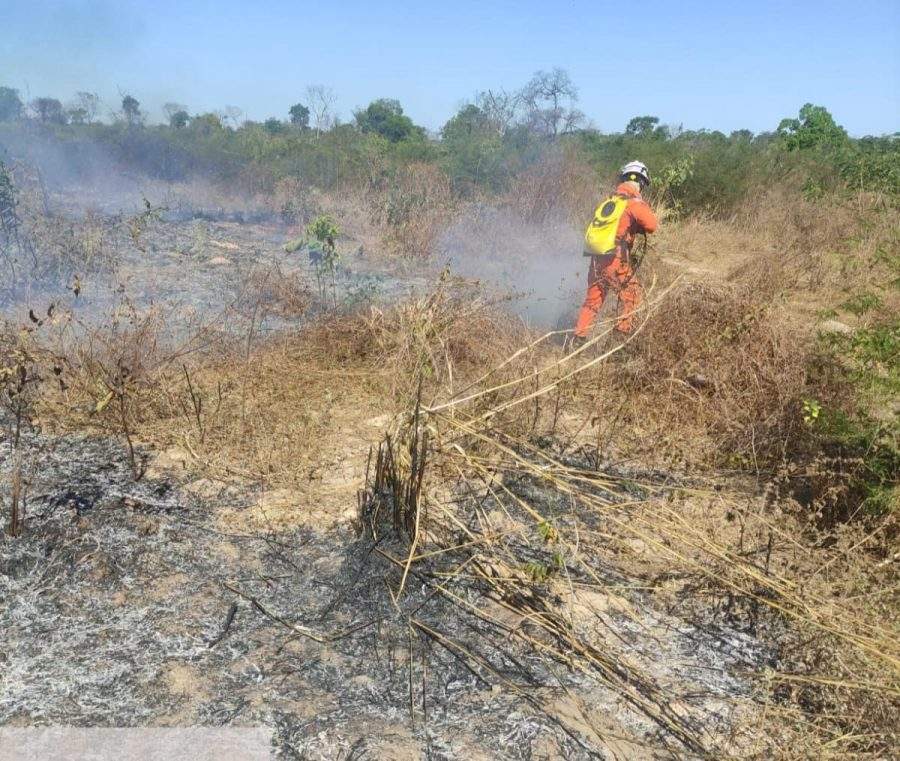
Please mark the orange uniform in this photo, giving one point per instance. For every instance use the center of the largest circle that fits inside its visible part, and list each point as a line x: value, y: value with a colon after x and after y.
x: 614, y: 271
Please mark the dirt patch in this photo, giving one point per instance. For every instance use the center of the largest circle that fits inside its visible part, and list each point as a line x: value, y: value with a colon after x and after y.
x: 174, y: 460
x: 274, y: 510
x: 183, y: 680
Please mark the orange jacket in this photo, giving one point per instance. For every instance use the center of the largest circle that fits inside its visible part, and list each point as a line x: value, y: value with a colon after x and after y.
x: 637, y: 218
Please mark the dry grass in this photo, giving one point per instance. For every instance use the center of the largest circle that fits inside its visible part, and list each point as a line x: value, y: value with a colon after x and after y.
x: 265, y: 408
x: 270, y: 411
x: 411, y: 206
x: 718, y: 369
x: 836, y: 686
x: 44, y: 249
x: 715, y: 375
x: 558, y: 182
x: 807, y: 255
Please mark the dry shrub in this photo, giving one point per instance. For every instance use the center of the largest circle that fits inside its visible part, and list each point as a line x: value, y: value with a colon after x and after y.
x: 351, y: 209
x: 719, y: 360
x: 412, y: 205
x: 21, y: 366
x: 40, y: 249
x: 272, y: 291
x: 703, y: 549
x: 239, y: 405
x: 293, y: 202
x: 783, y: 246
x: 254, y: 178
x: 556, y: 184
x: 441, y: 338
x: 279, y: 406
x: 264, y: 407
x: 116, y: 377
x: 722, y: 376
x: 817, y: 253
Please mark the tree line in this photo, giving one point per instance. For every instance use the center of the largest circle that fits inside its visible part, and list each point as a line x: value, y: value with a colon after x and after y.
x: 487, y: 142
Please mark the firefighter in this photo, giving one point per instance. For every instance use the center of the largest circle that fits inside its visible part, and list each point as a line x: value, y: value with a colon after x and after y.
x: 608, y: 241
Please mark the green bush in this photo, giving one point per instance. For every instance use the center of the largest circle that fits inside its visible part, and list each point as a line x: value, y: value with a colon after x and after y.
x: 815, y: 128
x: 696, y: 172
x: 866, y: 429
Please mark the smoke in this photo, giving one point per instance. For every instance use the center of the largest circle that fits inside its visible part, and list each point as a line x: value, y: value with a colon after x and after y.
x: 80, y: 174
x: 84, y: 172
x: 539, y: 263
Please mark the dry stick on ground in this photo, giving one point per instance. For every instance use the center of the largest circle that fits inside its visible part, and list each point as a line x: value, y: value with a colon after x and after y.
x: 196, y: 402
x: 878, y: 643
x: 656, y: 707
x: 303, y: 631
x: 464, y: 654
x: 17, y: 497
x: 801, y: 610
x: 643, y: 694
x: 635, y: 688
x: 666, y: 531
x: 229, y: 618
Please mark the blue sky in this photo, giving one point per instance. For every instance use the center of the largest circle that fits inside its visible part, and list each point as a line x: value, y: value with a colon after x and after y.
x: 700, y: 64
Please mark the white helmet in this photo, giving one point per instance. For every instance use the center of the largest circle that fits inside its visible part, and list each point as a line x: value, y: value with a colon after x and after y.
x: 635, y: 171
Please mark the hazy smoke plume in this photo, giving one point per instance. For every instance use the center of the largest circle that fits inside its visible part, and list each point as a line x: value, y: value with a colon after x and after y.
x: 539, y: 262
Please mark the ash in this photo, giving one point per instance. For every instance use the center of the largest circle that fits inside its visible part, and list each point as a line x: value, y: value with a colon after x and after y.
x: 114, y: 614
x: 124, y: 604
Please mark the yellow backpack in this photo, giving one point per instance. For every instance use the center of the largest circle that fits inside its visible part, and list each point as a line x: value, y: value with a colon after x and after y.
x: 600, y: 237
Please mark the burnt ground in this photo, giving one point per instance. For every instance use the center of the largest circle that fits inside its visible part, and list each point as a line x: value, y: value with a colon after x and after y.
x: 175, y: 600
x: 202, y: 266
x: 129, y: 604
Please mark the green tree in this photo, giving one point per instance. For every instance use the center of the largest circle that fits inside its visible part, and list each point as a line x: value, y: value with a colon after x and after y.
x: 273, y: 126
x: 642, y: 126
x: 473, y: 148
x: 469, y: 121
x: 872, y: 162
x: 131, y: 110
x: 48, y: 111
x: 815, y: 128
x: 206, y: 124
x: 176, y: 114
x: 10, y: 104
x: 76, y: 115
x: 385, y: 117
x: 299, y: 116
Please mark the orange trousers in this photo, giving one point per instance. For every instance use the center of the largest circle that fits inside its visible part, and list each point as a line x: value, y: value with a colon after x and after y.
x: 607, y: 273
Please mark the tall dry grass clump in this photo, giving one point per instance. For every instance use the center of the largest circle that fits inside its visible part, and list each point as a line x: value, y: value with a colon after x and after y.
x: 557, y: 183
x: 717, y: 361
x: 257, y: 406
x: 412, y: 205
